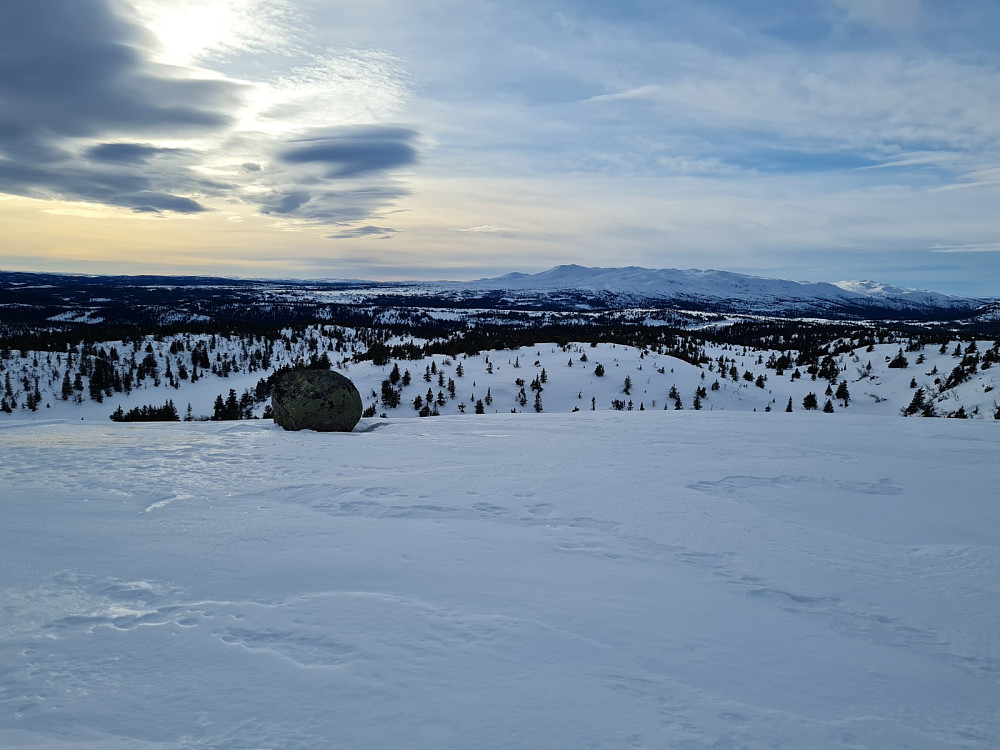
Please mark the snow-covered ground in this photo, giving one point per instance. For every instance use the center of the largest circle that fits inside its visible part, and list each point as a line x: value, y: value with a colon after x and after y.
x: 600, y: 579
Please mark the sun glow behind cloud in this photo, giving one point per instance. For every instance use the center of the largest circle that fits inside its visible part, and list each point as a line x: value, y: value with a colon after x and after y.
x: 193, y: 31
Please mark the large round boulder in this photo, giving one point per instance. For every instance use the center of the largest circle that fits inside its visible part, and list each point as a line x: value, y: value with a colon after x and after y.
x: 321, y: 400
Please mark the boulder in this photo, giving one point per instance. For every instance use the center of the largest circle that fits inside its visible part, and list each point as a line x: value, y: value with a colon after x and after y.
x: 320, y: 400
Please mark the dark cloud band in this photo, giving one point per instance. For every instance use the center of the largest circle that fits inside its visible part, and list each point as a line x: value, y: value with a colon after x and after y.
x: 355, y: 151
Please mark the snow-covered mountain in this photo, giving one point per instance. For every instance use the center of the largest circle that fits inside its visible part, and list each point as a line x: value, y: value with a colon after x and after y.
x: 725, y: 291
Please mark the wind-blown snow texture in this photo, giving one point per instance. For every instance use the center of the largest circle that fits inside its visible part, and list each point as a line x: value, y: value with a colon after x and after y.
x: 602, y: 579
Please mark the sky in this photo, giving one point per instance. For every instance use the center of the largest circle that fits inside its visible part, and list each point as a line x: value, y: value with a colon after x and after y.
x: 817, y: 140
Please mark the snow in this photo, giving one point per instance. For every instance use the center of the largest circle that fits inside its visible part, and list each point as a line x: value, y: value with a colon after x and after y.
x: 599, y: 579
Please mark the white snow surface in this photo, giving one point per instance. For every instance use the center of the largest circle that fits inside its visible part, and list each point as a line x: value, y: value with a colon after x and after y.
x: 599, y: 579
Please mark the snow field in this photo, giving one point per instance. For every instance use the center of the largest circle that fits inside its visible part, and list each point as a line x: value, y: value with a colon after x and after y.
x: 603, y: 579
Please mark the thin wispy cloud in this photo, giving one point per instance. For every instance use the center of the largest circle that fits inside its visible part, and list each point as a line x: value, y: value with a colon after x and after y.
x: 482, y: 229
x: 985, y: 247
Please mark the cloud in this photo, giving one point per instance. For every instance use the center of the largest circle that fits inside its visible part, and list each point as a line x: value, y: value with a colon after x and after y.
x: 354, y: 151
x: 196, y: 30
x: 337, y: 175
x: 879, y: 103
x: 75, y: 68
x: 325, y: 204
x: 151, y: 202
x: 381, y: 233
x: 90, y: 112
x: 126, y: 153
x: 894, y: 15
x: 72, y: 71
x: 125, y: 185
x: 482, y: 229
x: 973, y: 247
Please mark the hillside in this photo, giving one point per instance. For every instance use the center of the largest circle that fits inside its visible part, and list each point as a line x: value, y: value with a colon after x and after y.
x: 954, y: 378
x: 612, y: 579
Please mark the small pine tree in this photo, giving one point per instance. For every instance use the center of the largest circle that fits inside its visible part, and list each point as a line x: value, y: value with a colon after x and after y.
x: 599, y: 370
x: 916, y: 403
x: 828, y: 407
x: 899, y: 361
x: 843, y: 393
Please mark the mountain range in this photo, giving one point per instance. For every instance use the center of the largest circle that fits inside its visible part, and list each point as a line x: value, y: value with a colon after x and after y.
x: 38, y: 297
x: 722, y: 291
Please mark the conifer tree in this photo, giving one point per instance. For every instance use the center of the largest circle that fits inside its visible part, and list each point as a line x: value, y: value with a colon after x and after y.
x: 916, y: 403
x: 843, y: 393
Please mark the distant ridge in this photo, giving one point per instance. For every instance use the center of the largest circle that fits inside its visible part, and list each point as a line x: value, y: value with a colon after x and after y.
x: 138, y: 300
x: 727, y: 291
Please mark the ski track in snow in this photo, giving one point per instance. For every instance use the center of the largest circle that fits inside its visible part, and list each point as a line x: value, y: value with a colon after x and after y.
x: 558, y: 581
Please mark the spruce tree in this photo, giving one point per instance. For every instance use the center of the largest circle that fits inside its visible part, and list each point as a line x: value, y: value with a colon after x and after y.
x: 843, y: 393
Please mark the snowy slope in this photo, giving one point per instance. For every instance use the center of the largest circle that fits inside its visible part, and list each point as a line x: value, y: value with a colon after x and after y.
x: 571, y: 382
x: 611, y: 579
